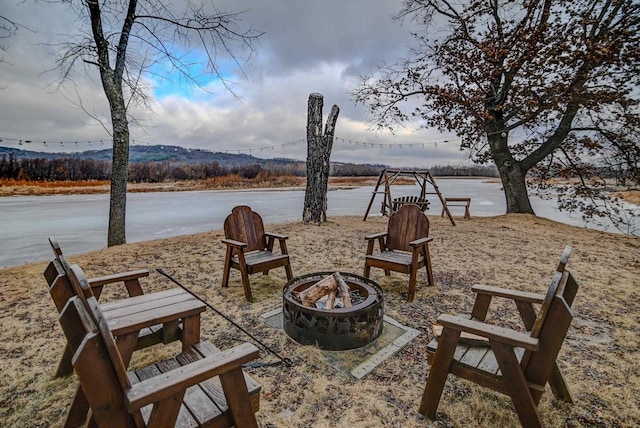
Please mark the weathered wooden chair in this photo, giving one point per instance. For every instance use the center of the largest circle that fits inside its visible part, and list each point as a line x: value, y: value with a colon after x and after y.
x: 518, y: 364
x: 525, y: 302
x: 154, y: 318
x: 404, y: 247
x: 202, y: 386
x: 250, y: 248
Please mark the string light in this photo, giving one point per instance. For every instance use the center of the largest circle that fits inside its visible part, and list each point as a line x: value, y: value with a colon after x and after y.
x: 241, y: 151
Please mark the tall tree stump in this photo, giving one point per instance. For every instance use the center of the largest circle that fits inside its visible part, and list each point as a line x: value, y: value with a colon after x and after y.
x: 319, y: 146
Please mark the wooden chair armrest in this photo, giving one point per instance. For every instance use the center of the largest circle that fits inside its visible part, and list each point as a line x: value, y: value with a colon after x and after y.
x: 491, y: 332
x: 234, y: 243
x: 129, y: 279
x: 118, y: 277
x: 175, y: 381
x: 420, y: 241
x: 522, y: 296
x: 375, y: 236
x: 126, y: 317
x: 275, y: 235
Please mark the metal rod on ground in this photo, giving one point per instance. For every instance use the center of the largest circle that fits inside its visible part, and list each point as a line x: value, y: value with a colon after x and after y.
x: 284, y: 360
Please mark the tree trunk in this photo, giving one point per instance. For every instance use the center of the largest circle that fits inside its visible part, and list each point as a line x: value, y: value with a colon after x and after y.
x: 511, y: 173
x: 119, y: 176
x: 329, y: 131
x: 515, y: 188
x: 318, y: 159
x: 112, y: 85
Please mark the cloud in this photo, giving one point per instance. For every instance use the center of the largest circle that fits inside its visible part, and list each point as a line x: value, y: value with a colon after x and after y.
x: 307, y: 46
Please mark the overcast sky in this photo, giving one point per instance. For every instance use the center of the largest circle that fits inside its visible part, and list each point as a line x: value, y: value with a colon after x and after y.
x: 308, y: 46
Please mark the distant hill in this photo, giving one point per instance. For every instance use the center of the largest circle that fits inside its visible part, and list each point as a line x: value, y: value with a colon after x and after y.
x: 156, y: 154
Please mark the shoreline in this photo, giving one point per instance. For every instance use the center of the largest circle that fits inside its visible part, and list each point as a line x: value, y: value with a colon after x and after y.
x: 8, y: 189
x: 290, y: 183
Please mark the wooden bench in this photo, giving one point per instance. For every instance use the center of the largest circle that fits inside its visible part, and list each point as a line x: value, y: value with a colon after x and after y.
x: 161, y: 317
x: 457, y: 202
x: 202, y: 386
x: 397, y: 203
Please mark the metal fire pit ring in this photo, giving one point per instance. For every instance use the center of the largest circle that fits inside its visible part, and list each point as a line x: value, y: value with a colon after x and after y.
x: 334, y: 329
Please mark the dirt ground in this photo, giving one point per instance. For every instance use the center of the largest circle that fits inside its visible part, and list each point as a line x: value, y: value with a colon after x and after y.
x: 599, y: 357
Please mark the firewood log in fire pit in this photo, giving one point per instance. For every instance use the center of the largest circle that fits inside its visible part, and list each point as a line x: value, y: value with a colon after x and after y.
x: 332, y: 285
x: 344, y: 290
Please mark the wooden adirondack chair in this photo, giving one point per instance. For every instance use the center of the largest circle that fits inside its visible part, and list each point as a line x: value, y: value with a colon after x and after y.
x: 250, y: 248
x: 166, y: 316
x: 202, y: 386
x: 514, y: 363
x: 161, y: 317
x: 525, y: 302
x: 404, y: 247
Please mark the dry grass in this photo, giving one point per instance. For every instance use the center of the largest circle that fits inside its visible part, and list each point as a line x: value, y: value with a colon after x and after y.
x: 600, y: 356
x: 631, y: 196
x: 231, y: 181
x: 33, y: 188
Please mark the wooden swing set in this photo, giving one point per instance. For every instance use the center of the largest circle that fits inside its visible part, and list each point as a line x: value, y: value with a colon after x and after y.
x: 391, y: 205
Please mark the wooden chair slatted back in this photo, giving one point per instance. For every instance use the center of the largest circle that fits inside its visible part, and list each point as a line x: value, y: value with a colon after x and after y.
x: 107, y: 401
x: 551, y: 336
x: 55, y: 246
x: 94, y: 367
x: 557, y: 286
x: 75, y: 322
x: 546, y: 303
x: 570, y: 289
x: 59, y: 286
x: 563, y: 287
x: 405, y: 225
x: 83, y: 291
x: 246, y: 226
x: 564, y: 258
x: 52, y: 272
x: 93, y: 309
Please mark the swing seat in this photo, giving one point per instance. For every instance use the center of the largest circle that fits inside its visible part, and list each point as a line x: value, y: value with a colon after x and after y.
x: 416, y: 200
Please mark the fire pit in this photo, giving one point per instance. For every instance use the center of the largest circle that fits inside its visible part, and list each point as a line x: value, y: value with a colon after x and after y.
x: 337, y: 328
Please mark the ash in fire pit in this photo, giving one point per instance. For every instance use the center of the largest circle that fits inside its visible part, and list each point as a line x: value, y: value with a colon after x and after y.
x: 333, y: 310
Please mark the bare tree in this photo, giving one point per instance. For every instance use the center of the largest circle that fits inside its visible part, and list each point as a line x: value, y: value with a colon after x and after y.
x: 123, y: 40
x: 8, y: 28
x: 534, y: 86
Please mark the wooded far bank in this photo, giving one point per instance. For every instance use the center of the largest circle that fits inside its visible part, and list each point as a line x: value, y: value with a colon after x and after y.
x: 72, y: 169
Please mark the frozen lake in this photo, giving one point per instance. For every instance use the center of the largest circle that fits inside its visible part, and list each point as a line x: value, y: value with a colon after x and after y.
x: 80, y: 222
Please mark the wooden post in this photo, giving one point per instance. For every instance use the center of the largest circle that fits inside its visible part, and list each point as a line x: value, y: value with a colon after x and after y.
x: 319, y: 146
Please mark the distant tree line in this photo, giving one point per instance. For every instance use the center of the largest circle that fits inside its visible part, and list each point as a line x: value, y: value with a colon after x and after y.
x: 465, y: 170
x: 62, y: 169
x: 72, y: 169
